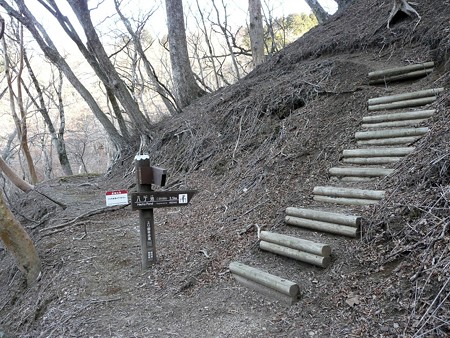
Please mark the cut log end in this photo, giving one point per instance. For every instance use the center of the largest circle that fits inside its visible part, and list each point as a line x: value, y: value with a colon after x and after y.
x: 268, y: 292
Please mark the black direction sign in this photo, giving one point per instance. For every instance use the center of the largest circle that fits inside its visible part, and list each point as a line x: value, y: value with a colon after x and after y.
x: 160, y: 199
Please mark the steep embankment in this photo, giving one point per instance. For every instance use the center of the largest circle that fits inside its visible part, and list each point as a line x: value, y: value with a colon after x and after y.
x: 253, y: 149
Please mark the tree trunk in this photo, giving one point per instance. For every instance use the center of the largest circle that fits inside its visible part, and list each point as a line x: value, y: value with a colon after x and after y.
x: 186, y: 88
x: 17, y: 241
x: 256, y: 31
x: 318, y: 10
x: 342, y: 4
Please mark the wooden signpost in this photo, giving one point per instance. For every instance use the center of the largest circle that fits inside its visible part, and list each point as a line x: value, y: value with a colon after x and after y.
x: 145, y: 199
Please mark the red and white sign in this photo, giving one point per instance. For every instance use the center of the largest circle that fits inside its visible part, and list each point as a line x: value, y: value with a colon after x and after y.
x: 116, y: 197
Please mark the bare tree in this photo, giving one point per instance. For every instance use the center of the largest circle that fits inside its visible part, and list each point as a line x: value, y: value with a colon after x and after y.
x: 136, y: 35
x: 256, y: 31
x: 186, y: 88
x: 97, y: 57
x: 206, y: 36
x: 229, y: 39
x: 56, y: 136
x: 24, y: 16
x: 20, y: 120
x: 318, y: 10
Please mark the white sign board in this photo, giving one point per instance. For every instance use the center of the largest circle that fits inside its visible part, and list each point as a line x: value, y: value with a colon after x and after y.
x: 116, y: 197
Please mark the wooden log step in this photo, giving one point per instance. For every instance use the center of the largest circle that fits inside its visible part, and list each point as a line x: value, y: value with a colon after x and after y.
x: 349, y: 192
x: 405, y: 96
x: 410, y: 115
x: 279, y: 284
x: 355, y: 179
x: 400, y: 70
x: 397, y: 119
x: 388, y: 141
x: 371, y: 160
x: 266, y: 291
x: 331, y: 228
x: 403, y: 104
x: 394, y: 124
x: 344, y: 200
x: 302, y: 256
x: 300, y: 244
x: 402, y: 77
x: 325, y: 216
x: 391, y: 133
x: 360, y: 172
x: 378, y: 152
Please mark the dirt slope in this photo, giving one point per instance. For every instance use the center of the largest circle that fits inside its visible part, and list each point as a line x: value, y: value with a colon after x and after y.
x: 253, y: 149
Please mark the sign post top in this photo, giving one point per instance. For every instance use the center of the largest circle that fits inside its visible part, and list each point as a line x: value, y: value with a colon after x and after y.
x: 141, y: 157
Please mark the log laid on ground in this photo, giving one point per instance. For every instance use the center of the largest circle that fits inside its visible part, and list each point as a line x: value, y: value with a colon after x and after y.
x: 331, y: 228
x: 360, y: 172
x: 388, y: 141
x: 401, y: 77
x: 356, y: 179
x: 405, y: 96
x: 324, y: 216
x: 409, y: 115
x: 271, y: 293
x: 349, y: 192
x: 344, y: 200
x: 390, y: 133
x: 264, y: 278
x: 300, y: 244
x: 322, y: 261
x: 403, y: 104
x: 394, y: 124
x: 400, y: 70
x: 378, y: 152
x: 371, y: 160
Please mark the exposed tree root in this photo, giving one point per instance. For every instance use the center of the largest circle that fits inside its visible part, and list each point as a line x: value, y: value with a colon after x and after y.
x: 402, y: 6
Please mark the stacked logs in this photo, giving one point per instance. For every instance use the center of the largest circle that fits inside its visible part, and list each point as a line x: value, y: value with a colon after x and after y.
x: 401, y: 73
x: 347, y: 196
x: 263, y: 282
x: 370, y: 156
x: 300, y: 249
x: 323, y: 221
x: 403, y: 119
x: 405, y: 100
x: 385, y: 137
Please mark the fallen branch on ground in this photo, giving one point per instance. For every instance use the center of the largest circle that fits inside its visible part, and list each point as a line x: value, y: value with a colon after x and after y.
x: 50, y: 230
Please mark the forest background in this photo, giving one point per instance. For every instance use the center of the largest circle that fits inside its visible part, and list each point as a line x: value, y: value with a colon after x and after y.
x: 217, y: 36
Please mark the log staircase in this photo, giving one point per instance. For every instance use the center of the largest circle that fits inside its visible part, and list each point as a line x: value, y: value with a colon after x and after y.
x: 384, y: 139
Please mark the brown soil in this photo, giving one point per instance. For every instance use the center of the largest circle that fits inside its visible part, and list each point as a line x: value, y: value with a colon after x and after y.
x: 253, y: 149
